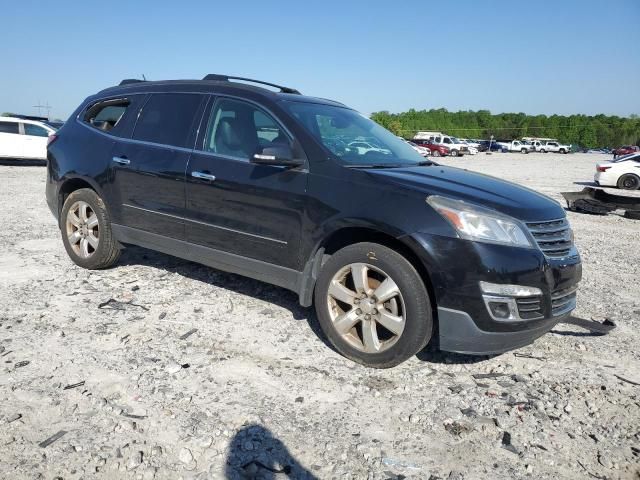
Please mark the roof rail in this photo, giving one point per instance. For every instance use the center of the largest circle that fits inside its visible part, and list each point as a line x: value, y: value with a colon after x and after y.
x: 128, y: 81
x: 30, y: 117
x: 226, y: 78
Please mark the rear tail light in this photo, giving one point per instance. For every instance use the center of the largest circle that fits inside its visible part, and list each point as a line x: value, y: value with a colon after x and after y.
x: 602, y: 168
x: 51, y: 139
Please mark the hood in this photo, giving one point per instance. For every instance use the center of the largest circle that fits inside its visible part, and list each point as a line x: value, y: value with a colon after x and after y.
x: 490, y: 192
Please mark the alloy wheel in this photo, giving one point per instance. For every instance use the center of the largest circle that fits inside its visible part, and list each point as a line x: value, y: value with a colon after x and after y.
x: 630, y: 182
x: 83, y: 229
x: 366, y: 307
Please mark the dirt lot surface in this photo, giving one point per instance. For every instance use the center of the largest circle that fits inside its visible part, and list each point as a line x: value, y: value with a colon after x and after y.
x: 130, y: 390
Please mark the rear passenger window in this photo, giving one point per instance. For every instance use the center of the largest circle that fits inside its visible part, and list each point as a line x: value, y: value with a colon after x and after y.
x: 106, y: 115
x: 9, y: 127
x: 35, y: 130
x: 168, y: 118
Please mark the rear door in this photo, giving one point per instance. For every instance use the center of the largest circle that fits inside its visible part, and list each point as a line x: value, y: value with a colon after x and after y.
x: 234, y: 205
x: 149, y: 169
x: 35, y: 141
x: 11, y: 142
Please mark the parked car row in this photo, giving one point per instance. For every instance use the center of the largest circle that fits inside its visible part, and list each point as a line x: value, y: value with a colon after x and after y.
x: 442, y: 145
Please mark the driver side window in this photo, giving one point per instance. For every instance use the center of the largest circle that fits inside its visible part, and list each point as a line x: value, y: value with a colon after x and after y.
x: 239, y: 129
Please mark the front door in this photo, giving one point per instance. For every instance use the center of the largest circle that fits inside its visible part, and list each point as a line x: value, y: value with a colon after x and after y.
x: 234, y: 205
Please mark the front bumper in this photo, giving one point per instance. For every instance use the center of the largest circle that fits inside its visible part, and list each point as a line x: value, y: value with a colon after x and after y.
x: 459, y: 333
x: 456, y: 268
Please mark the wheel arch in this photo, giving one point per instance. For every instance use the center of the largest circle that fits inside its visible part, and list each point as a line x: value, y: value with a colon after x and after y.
x: 349, y: 235
x: 73, y: 183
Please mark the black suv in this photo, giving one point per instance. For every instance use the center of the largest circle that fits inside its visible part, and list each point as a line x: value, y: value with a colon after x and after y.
x: 305, y: 193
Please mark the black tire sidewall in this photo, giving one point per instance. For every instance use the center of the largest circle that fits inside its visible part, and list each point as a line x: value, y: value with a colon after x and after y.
x: 419, y: 320
x: 102, y: 256
x: 625, y: 176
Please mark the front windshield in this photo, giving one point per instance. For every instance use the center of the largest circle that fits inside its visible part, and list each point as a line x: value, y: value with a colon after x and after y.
x: 351, y: 137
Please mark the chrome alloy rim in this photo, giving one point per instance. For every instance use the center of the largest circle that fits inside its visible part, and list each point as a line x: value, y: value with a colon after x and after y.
x: 366, y: 307
x: 83, y: 230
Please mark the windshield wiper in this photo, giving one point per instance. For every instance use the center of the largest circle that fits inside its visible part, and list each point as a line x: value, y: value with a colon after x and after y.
x: 426, y: 163
x: 375, y: 165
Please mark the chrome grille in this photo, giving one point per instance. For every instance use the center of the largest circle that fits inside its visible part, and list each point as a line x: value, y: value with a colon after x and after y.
x: 563, y: 301
x: 530, y: 308
x: 553, y: 237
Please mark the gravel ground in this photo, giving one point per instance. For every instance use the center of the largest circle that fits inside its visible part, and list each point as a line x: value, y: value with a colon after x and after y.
x: 132, y: 391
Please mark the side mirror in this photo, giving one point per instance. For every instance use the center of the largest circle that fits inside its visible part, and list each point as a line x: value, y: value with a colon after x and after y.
x: 279, y: 155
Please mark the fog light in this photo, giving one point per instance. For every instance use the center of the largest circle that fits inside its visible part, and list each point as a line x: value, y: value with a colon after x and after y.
x: 509, y: 290
x: 499, y: 310
x: 500, y: 300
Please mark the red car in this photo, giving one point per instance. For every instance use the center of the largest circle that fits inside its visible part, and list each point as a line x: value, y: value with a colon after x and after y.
x: 436, y: 150
x: 625, y: 150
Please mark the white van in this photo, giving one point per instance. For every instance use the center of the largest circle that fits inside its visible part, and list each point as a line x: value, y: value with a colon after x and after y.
x: 22, y: 138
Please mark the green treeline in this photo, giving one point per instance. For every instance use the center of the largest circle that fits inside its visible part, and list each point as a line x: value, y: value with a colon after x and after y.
x: 582, y: 130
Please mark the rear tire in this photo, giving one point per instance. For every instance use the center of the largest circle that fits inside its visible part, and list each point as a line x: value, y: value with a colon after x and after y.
x: 629, y: 181
x: 390, y: 293
x: 435, y: 153
x: 86, y: 231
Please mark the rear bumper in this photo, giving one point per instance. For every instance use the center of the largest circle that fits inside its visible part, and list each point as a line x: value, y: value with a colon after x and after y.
x: 460, y: 334
x: 605, y: 179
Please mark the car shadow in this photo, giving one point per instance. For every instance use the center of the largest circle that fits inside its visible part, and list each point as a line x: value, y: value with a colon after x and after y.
x: 134, y: 255
x: 10, y: 162
x: 431, y: 354
x: 255, y: 453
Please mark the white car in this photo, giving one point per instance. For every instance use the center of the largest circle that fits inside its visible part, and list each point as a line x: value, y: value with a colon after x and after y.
x: 365, y: 147
x: 455, y: 146
x: 22, y: 138
x: 555, y: 147
x: 623, y: 172
x: 515, y: 146
x: 472, y: 149
x: 471, y: 143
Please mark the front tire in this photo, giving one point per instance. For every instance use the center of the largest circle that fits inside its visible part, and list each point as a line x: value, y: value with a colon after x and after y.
x: 629, y: 181
x: 454, y: 153
x: 436, y: 153
x: 524, y: 150
x: 86, y: 231
x: 542, y: 150
x: 373, y: 306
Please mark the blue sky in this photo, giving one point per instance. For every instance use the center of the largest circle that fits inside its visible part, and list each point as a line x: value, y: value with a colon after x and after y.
x: 565, y: 56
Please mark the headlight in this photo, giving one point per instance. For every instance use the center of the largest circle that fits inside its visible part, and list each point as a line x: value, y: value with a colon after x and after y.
x: 473, y: 222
